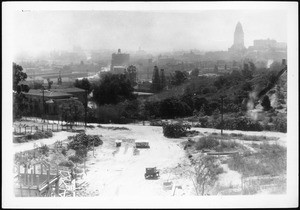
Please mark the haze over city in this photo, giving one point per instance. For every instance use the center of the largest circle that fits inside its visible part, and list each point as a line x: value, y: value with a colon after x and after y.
x: 152, y: 31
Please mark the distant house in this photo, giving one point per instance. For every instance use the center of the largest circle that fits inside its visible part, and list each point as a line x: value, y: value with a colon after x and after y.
x: 52, y: 99
x: 76, y: 92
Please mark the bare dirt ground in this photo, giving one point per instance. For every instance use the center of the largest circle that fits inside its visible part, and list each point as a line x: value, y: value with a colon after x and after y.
x: 116, y: 171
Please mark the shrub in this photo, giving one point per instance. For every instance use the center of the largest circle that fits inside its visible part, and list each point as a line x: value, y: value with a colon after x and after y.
x: 64, y: 151
x: 44, y: 150
x: 156, y: 123
x: 206, y: 142
x: 39, y: 135
x: 82, y: 139
x: 68, y: 164
x: 203, y: 122
x: 241, y: 123
x: 175, y: 130
x: 81, y: 152
x: 75, y: 159
x: 280, y: 125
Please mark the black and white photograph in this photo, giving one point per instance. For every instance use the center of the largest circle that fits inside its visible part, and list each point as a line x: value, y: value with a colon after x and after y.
x: 150, y: 104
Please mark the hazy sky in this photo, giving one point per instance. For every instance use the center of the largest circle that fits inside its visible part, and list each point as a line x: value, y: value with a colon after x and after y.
x: 153, y: 30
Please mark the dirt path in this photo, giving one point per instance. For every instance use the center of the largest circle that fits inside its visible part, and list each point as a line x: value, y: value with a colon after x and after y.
x: 122, y: 173
x: 57, y: 136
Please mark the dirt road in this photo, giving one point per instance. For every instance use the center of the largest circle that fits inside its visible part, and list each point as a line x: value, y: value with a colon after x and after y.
x: 122, y: 173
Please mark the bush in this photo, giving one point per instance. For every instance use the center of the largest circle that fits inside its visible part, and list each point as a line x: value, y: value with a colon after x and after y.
x: 241, y: 123
x: 280, y: 125
x: 82, y: 139
x: 68, y: 164
x: 44, y: 150
x: 75, y: 159
x: 156, y: 123
x: 175, y: 130
x: 203, y: 122
x: 64, y: 151
x: 39, y: 135
x: 206, y: 142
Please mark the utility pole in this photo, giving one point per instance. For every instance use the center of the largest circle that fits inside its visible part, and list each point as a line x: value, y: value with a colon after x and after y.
x: 85, y: 114
x: 43, y: 104
x: 222, y: 97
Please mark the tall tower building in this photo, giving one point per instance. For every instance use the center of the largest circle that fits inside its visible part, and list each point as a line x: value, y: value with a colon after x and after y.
x: 238, y: 42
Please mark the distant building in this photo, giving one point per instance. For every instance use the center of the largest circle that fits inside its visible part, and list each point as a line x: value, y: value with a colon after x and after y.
x: 118, y: 70
x: 52, y: 99
x: 119, y: 59
x: 268, y: 44
x: 238, y: 41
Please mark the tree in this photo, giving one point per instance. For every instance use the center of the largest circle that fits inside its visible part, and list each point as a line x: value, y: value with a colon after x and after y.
x: 178, y: 78
x: 37, y: 85
x: 252, y: 66
x: 246, y: 72
x: 131, y: 74
x: 20, y: 105
x: 162, y: 79
x: 266, y: 103
x: 205, y: 172
x: 156, y: 87
x: 18, y: 75
x: 49, y: 83
x: 216, y: 113
x: 195, y: 73
x: 71, y: 111
x: 113, y: 88
x: 83, y: 84
x: 220, y: 82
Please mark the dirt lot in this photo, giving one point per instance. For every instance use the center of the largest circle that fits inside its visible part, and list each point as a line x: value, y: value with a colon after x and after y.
x: 116, y: 171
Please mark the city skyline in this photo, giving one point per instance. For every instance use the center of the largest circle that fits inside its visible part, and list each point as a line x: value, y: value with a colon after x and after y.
x: 151, y: 31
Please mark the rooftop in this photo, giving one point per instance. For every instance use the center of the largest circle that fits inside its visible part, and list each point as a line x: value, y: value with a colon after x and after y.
x: 68, y: 90
x: 47, y: 93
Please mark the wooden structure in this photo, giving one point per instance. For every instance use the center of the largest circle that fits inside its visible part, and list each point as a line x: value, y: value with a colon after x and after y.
x: 37, y: 180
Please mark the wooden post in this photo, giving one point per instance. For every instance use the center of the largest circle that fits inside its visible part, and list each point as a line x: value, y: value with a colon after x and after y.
x: 41, y: 169
x: 31, y: 177
x: 47, y: 127
x: 57, y: 182
x: 42, y: 128
x: 48, y: 175
x: 25, y: 129
x: 21, y: 189
x: 31, y: 129
x: 38, y: 182
x: 19, y: 172
x: 48, y: 180
x: 52, y: 127
x: 57, y: 128
x: 25, y: 173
